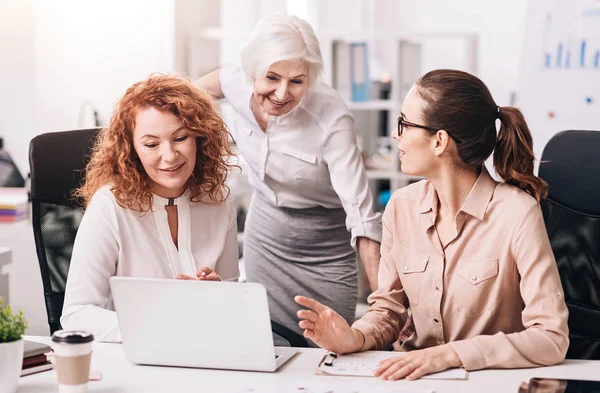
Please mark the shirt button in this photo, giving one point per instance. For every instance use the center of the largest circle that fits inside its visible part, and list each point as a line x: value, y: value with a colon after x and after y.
x: 474, y: 278
x: 437, y: 288
x: 405, y: 268
x: 435, y: 320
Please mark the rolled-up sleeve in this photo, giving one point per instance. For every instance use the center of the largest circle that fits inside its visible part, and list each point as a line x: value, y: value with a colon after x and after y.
x: 387, y: 314
x: 349, y: 179
x: 545, y: 339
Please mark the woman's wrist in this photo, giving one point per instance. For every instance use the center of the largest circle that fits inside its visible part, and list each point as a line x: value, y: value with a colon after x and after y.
x: 452, y: 358
x: 358, y: 341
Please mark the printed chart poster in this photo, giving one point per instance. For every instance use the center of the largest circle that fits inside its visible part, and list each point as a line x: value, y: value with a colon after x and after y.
x: 560, y: 81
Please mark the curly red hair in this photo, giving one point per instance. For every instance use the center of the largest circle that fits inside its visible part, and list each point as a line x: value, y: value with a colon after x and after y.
x: 115, y: 162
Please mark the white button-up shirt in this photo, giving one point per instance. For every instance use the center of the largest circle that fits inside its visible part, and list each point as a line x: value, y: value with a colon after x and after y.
x: 307, y: 157
x: 115, y: 241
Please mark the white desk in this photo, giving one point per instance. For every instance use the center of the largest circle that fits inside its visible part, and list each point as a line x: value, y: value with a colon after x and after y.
x: 122, y: 376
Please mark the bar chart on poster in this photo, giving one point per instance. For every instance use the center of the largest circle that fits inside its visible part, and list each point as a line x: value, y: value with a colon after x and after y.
x: 560, y: 77
x: 572, y: 51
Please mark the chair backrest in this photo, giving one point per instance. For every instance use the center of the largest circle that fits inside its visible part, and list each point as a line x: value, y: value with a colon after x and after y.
x: 570, y: 165
x: 57, y: 162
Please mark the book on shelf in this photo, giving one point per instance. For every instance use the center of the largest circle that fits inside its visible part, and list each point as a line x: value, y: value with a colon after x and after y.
x: 359, y: 70
x: 341, y: 75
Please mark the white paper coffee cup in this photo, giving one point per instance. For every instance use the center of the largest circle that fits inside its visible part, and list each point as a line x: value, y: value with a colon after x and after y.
x: 73, y: 355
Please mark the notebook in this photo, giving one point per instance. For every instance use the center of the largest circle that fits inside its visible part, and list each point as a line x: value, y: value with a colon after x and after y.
x: 34, y: 358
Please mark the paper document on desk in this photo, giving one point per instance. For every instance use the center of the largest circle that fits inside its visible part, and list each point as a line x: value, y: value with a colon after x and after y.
x: 364, y: 364
x: 320, y: 387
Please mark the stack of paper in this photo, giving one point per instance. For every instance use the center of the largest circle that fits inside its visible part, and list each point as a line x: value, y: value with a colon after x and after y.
x: 13, y: 204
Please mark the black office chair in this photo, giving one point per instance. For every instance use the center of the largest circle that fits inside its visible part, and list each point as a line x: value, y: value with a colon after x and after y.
x: 570, y: 165
x: 57, y: 163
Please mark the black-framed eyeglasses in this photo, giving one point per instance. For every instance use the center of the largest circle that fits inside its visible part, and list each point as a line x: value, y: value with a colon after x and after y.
x: 403, y: 123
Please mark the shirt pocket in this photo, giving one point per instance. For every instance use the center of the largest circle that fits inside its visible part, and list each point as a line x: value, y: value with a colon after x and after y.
x: 306, y: 157
x: 301, y: 166
x: 411, y: 266
x: 477, y: 285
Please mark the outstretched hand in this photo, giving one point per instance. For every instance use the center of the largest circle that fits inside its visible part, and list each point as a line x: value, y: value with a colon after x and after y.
x: 327, y: 328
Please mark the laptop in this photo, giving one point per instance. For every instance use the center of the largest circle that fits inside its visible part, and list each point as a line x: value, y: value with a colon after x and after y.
x: 204, y: 324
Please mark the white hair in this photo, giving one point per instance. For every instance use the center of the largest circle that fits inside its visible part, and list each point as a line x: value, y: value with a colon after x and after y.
x: 279, y: 37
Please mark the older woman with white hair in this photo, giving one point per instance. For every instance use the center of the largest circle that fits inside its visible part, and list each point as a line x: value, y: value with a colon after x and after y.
x: 311, y: 207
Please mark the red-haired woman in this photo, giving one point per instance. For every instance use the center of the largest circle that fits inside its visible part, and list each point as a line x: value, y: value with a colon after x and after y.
x: 468, y: 255
x: 156, y: 201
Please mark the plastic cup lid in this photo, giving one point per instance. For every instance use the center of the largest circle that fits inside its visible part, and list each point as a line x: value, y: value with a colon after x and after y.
x: 72, y: 337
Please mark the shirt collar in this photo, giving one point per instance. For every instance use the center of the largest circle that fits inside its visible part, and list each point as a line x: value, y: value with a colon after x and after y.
x: 479, y: 198
x: 160, y: 201
x: 477, y: 201
x: 427, y: 201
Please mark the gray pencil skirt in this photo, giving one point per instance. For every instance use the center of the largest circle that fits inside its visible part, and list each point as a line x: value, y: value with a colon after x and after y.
x: 300, y: 252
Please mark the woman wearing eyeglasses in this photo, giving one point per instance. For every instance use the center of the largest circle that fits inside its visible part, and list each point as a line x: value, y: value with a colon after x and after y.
x: 468, y: 255
x: 311, y: 209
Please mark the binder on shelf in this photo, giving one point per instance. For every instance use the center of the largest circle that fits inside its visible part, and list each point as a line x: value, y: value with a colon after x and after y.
x: 341, y: 80
x: 359, y: 71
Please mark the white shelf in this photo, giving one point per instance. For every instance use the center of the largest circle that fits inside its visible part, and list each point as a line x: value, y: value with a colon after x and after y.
x: 378, y: 105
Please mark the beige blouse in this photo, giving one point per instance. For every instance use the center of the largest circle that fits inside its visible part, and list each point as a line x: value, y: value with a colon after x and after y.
x: 493, y: 292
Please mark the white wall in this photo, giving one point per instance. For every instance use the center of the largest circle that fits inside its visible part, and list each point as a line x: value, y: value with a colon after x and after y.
x: 17, y: 81
x: 190, y: 17
x: 93, y: 51
x: 501, y: 27
x: 238, y: 18
x: 65, y: 53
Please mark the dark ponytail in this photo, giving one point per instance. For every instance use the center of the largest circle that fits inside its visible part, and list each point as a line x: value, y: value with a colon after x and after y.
x: 462, y: 105
x: 513, y: 155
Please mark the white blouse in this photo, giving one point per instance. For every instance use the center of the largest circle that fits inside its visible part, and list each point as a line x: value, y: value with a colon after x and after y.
x: 307, y: 157
x: 115, y: 241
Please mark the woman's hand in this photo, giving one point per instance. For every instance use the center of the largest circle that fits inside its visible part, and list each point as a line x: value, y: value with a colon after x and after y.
x: 327, y: 328
x: 414, y: 364
x: 207, y: 274
x: 203, y: 274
